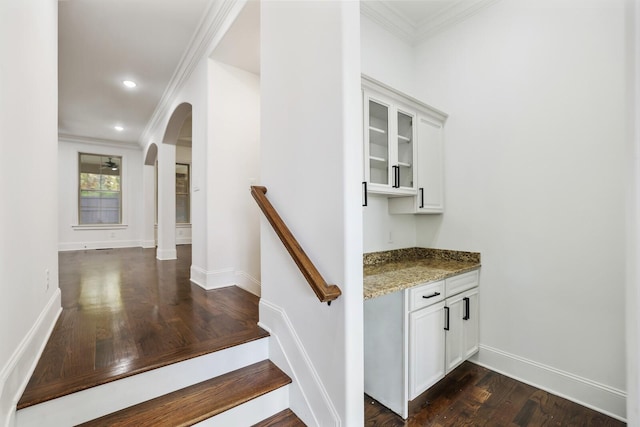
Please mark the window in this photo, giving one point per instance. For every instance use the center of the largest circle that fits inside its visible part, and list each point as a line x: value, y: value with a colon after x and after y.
x: 183, y: 211
x: 100, y: 197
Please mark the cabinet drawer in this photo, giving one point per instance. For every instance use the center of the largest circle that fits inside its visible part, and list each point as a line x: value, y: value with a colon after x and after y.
x: 425, y: 295
x: 461, y: 282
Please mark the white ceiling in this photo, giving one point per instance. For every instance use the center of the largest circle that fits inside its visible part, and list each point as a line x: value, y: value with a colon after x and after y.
x: 103, y: 42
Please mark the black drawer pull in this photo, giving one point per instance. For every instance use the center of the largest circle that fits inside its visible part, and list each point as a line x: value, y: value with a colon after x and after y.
x: 446, y: 318
x: 466, y: 309
x: 435, y: 294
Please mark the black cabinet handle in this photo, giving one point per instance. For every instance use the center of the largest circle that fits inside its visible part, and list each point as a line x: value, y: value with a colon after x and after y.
x: 466, y: 309
x: 446, y: 318
x: 435, y: 294
x: 364, y: 185
x: 421, y: 197
x: 396, y: 181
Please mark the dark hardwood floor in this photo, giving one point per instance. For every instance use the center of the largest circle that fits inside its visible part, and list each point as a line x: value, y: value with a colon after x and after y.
x: 474, y: 396
x: 124, y: 312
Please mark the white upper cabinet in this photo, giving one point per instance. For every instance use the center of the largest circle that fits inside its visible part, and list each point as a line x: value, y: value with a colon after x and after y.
x: 403, y: 147
x: 389, y: 147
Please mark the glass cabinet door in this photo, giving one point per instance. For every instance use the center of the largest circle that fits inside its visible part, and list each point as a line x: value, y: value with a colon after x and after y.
x: 405, y: 150
x: 378, y: 143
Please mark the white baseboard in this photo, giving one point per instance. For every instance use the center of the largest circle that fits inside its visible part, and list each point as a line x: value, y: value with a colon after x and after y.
x: 222, y: 278
x: 308, y: 397
x: 148, y: 244
x: 198, y: 276
x: 599, y: 397
x: 248, y: 283
x: 107, y: 244
x: 183, y: 240
x: 166, y: 254
x: 16, y: 373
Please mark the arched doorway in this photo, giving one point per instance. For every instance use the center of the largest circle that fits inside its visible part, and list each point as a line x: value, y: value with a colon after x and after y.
x: 173, y: 188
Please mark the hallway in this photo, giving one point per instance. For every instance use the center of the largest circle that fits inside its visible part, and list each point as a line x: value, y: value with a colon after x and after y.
x: 124, y: 313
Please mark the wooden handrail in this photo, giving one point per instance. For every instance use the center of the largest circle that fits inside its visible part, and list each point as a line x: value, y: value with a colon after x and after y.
x: 324, y: 292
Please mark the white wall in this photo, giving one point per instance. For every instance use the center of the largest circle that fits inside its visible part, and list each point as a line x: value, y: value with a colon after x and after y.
x: 224, y: 160
x: 28, y: 190
x: 535, y: 157
x: 385, y: 57
x: 234, y: 144
x: 72, y: 237
x: 390, y: 60
x: 384, y: 231
x: 312, y: 167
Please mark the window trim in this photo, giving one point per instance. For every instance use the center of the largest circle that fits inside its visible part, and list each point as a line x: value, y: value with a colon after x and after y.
x: 100, y: 226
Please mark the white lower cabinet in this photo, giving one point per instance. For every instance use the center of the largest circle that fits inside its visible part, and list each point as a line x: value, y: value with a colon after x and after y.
x: 426, y: 348
x: 461, y: 327
x: 413, y: 338
x: 471, y: 326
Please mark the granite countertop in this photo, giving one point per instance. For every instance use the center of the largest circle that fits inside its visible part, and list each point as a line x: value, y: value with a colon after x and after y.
x: 396, y: 270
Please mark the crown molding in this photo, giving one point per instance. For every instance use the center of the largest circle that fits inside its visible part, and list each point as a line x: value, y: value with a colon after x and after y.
x: 385, y: 14
x: 130, y: 145
x: 388, y: 17
x: 203, y: 41
x: 457, y: 12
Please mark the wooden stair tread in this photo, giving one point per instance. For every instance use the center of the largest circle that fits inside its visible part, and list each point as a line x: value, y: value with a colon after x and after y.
x: 39, y: 393
x: 200, y: 401
x: 286, y: 418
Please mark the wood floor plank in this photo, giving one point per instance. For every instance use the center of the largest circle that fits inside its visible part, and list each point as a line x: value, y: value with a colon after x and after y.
x: 475, y: 396
x: 201, y: 401
x: 286, y: 418
x: 124, y: 312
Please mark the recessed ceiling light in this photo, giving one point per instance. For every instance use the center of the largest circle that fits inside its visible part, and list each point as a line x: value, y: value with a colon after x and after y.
x: 130, y: 84
x: 118, y: 128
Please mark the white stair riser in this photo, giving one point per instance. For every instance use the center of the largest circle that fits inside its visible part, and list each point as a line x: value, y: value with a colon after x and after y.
x: 251, y: 412
x: 97, y: 401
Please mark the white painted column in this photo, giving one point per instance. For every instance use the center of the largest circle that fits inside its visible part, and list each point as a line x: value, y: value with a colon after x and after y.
x: 148, y: 206
x: 166, y: 202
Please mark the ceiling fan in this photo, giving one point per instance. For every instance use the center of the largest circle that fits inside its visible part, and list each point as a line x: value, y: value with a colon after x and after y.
x: 110, y: 164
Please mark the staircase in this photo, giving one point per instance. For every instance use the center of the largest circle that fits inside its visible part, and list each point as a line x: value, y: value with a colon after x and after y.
x: 151, y: 349
x: 236, y: 386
